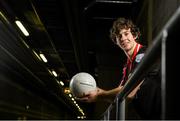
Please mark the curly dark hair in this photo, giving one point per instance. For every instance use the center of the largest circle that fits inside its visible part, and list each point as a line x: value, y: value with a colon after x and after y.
x: 122, y: 23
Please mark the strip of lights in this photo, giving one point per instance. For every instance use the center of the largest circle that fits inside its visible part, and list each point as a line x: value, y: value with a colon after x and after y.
x: 43, y: 57
x: 22, y: 28
x: 54, y: 73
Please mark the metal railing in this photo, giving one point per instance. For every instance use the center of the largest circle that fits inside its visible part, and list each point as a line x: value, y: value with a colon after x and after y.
x: 155, y: 51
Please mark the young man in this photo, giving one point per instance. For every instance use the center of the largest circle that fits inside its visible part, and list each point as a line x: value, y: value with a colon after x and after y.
x: 146, y: 96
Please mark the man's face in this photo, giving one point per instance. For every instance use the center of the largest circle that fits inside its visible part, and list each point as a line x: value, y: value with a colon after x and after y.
x: 125, y: 40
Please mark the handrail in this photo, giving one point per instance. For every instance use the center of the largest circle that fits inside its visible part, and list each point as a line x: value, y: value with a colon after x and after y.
x: 152, y: 54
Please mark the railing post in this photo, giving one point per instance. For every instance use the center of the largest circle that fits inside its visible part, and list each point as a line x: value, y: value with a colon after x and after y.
x: 106, y: 115
x: 120, y: 109
x: 163, y: 73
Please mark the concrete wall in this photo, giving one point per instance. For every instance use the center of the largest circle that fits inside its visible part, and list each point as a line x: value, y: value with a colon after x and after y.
x: 153, y: 16
x: 162, y: 11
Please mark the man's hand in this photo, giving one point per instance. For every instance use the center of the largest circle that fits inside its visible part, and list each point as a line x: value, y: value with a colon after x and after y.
x: 92, y: 96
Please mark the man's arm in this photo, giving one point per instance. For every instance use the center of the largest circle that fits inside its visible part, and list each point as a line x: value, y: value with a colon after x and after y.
x: 100, y: 95
x: 133, y: 93
x: 106, y: 95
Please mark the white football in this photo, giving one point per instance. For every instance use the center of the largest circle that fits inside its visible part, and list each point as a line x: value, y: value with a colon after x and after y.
x: 81, y: 84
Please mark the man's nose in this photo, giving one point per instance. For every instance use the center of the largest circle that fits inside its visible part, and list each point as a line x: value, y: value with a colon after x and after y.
x: 123, y: 37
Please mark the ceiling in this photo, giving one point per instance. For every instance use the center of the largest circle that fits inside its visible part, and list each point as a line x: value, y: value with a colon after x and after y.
x: 73, y: 34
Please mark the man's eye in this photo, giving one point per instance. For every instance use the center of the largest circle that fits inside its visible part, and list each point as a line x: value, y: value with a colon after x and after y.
x: 126, y: 34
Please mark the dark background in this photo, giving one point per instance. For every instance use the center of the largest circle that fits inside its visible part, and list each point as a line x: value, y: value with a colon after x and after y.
x: 74, y: 37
